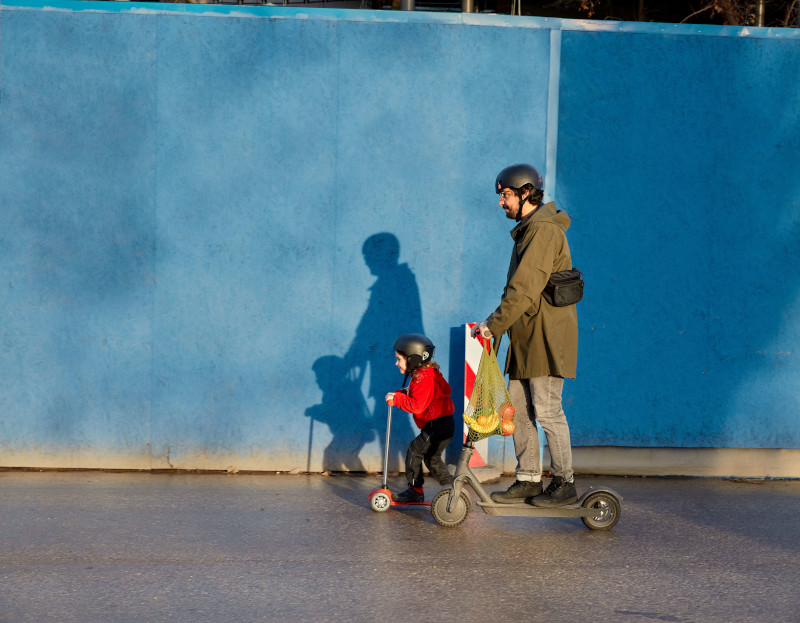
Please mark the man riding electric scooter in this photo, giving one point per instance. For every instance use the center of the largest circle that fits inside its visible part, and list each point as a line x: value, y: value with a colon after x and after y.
x: 543, y: 338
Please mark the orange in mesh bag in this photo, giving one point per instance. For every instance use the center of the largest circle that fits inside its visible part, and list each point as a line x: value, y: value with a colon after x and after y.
x: 489, y: 411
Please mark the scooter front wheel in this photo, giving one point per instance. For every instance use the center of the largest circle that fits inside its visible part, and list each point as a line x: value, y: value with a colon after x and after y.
x: 608, y: 511
x: 456, y: 515
x: 380, y: 502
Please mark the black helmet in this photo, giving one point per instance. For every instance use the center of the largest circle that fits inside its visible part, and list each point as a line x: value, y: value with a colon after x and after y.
x: 516, y: 176
x: 417, y: 348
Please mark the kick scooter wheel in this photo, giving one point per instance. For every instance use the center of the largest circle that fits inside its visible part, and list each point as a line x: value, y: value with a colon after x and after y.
x: 380, y: 502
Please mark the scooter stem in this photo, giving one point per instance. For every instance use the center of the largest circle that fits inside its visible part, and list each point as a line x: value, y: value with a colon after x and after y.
x: 386, y: 453
x: 465, y: 476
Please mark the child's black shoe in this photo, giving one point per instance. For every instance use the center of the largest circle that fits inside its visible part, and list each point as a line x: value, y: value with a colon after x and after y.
x: 410, y: 495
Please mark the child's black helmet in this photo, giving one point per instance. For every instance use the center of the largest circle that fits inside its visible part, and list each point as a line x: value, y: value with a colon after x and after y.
x: 417, y: 348
x: 516, y: 176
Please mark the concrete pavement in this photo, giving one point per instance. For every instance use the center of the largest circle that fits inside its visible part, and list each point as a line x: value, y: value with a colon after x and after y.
x: 86, y: 547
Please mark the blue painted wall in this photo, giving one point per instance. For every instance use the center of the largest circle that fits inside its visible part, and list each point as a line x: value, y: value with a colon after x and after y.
x: 678, y: 159
x: 216, y: 220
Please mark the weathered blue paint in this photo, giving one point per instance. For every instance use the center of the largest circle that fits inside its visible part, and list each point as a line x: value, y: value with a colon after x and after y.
x: 204, y: 210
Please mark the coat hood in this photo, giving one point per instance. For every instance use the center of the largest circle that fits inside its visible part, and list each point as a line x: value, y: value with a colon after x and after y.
x: 548, y: 213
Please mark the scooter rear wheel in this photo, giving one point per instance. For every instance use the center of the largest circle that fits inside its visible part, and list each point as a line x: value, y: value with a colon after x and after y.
x: 454, y: 517
x: 608, y: 511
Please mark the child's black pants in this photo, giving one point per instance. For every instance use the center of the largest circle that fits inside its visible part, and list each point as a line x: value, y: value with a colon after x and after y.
x: 428, y: 446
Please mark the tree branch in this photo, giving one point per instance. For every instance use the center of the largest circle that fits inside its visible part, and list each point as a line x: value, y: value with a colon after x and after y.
x: 789, y: 12
x: 710, y: 6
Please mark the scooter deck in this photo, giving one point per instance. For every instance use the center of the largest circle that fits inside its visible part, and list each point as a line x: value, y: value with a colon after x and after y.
x: 523, y: 509
x: 576, y: 509
x: 392, y: 501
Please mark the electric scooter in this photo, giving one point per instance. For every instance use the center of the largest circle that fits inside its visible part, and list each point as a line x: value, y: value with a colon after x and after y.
x: 380, y: 499
x: 599, y: 508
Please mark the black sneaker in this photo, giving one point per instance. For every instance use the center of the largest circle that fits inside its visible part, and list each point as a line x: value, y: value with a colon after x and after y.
x: 518, y: 492
x: 558, y: 493
x: 409, y: 495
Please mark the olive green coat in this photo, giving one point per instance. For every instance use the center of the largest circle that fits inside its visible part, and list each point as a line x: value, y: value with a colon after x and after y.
x: 543, y: 339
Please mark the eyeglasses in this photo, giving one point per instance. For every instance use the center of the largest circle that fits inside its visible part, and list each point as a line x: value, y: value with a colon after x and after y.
x: 506, y: 194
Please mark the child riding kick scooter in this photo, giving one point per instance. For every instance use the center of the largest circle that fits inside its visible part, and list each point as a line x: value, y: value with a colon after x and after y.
x: 428, y: 400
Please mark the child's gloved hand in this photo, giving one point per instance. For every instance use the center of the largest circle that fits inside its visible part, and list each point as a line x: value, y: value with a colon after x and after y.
x: 390, y: 399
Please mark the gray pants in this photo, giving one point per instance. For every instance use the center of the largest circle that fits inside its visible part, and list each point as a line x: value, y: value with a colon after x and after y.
x: 540, y: 399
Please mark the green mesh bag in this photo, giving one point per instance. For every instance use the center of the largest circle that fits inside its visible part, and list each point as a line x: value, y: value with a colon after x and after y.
x: 489, y: 411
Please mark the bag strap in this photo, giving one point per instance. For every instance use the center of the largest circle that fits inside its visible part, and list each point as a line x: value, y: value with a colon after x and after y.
x: 492, y: 343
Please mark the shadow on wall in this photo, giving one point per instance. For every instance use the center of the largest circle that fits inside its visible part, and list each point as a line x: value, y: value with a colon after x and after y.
x: 344, y: 411
x: 393, y: 309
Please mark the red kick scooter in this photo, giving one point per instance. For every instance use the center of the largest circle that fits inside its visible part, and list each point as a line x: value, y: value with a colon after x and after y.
x: 380, y: 499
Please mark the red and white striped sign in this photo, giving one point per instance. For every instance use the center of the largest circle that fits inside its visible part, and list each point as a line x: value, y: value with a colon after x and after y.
x: 472, y: 358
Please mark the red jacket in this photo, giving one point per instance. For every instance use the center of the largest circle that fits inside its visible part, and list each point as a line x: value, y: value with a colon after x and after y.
x: 427, y: 397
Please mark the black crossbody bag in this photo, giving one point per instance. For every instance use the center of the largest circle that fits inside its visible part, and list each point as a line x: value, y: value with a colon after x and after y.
x: 564, y: 288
